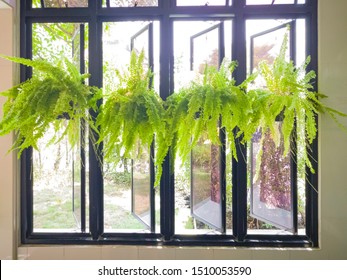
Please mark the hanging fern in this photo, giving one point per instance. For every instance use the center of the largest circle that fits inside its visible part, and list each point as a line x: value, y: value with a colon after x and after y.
x: 132, y: 115
x: 288, y: 92
x: 55, y: 96
x: 206, y: 106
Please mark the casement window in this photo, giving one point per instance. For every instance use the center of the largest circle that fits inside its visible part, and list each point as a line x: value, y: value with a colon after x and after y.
x: 74, y: 196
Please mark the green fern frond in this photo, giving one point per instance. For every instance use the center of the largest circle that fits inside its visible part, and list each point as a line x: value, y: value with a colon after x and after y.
x: 207, y: 105
x: 132, y: 116
x: 288, y: 92
x: 54, y: 91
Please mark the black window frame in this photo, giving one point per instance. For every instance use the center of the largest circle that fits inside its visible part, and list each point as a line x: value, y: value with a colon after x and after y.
x: 166, y: 13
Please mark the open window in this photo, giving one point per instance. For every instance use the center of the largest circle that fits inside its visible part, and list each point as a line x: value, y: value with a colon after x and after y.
x: 142, y: 191
x: 273, y: 190
x: 129, y: 194
x: 207, y: 48
x: 200, y: 186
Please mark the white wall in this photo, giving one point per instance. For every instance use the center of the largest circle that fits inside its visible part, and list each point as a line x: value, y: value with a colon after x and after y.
x: 333, y: 172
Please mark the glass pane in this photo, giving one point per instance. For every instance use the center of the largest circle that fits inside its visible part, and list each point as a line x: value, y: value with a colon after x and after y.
x: 141, y: 167
x: 141, y: 188
x: 76, y: 184
x: 266, y: 46
x: 183, y: 33
x: 53, y: 185
x: 77, y: 162
x: 197, y: 187
x: 209, y: 55
x: 131, y: 3
x: 271, y: 193
x: 127, y: 188
x: 52, y: 40
x: 60, y: 3
x: 58, y: 170
x: 140, y: 43
x: 206, y: 184
x: 80, y: 179
x: 228, y: 191
x: 206, y: 181
x: 269, y: 2
x: 203, y: 2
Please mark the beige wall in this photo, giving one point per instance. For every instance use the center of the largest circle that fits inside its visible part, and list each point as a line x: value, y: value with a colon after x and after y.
x: 333, y: 173
x: 333, y: 142
x: 7, y: 221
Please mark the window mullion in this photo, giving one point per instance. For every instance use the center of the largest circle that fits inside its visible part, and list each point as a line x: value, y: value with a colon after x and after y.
x: 27, y: 195
x: 167, y: 193
x: 239, y: 168
x: 83, y: 140
x: 96, y: 208
x: 223, y: 139
x: 294, y: 158
x: 152, y: 149
x: 312, y: 191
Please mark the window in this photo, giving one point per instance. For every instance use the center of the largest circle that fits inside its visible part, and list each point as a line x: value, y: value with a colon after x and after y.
x: 69, y: 196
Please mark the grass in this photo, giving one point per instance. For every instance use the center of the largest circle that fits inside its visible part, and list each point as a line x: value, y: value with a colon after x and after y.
x: 118, y: 218
x: 52, y: 211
